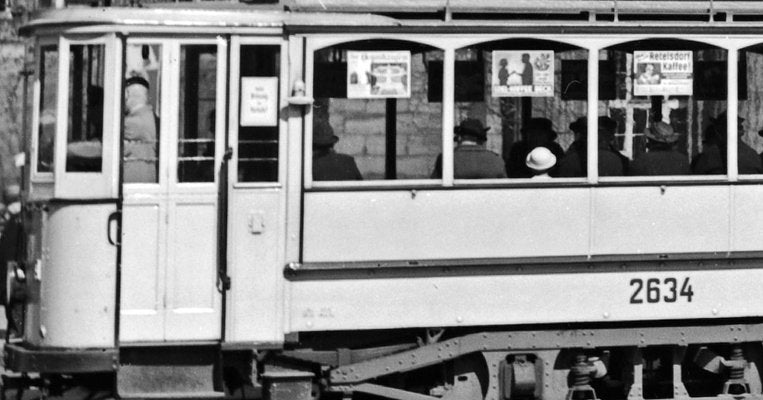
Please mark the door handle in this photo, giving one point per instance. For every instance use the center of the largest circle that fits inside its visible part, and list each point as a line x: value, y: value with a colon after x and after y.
x: 112, y: 220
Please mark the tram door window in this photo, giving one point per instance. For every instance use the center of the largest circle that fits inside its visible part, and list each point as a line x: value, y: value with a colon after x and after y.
x: 750, y: 111
x: 378, y: 111
x: 141, y: 124
x: 669, y: 97
x: 47, y: 81
x: 196, y: 136
x: 527, y: 93
x: 258, y: 134
x: 85, y: 126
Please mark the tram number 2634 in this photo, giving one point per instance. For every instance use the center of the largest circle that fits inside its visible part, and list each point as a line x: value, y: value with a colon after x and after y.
x: 655, y: 290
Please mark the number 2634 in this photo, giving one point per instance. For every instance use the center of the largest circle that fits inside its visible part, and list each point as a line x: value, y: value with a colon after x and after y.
x: 654, y: 290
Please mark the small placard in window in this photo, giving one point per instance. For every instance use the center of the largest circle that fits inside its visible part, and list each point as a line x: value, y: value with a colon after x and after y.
x: 523, y: 73
x: 378, y: 74
x: 662, y: 73
x: 259, y: 101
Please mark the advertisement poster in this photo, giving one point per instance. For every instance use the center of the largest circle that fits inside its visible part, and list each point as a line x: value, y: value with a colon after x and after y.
x: 662, y: 73
x: 259, y: 101
x: 378, y: 74
x: 523, y: 73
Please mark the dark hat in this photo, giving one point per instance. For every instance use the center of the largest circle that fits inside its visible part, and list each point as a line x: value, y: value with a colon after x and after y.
x: 607, y: 123
x: 580, y: 125
x: 136, y: 80
x: 540, y: 125
x: 472, y: 127
x: 662, y: 132
x: 323, y: 135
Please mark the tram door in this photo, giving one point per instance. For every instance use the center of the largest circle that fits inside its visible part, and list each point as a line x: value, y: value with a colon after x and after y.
x: 172, y: 151
x: 256, y: 189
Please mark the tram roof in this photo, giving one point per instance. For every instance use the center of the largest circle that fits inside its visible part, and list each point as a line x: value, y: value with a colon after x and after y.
x: 217, y: 17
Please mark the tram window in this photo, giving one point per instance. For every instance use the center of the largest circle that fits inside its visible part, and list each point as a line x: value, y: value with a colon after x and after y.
x: 48, y: 80
x: 198, y: 89
x: 85, y: 130
x: 141, y: 122
x: 258, y: 138
x: 664, y: 125
x: 750, y: 145
x: 372, y: 118
x: 524, y: 107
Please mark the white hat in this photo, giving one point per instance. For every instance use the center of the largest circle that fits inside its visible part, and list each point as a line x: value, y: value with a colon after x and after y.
x: 540, y: 159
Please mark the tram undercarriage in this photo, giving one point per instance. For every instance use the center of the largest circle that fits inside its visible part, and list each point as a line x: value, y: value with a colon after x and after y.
x: 638, y: 362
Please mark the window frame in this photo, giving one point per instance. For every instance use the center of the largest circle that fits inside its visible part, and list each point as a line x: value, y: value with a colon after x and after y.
x: 234, y: 79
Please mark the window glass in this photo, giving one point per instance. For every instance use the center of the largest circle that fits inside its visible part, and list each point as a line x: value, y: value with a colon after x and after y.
x: 750, y: 124
x: 141, y: 121
x: 198, y: 90
x: 514, y: 102
x: 48, y: 77
x: 85, y: 122
x: 258, y: 125
x: 666, y: 100
x: 377, y: 112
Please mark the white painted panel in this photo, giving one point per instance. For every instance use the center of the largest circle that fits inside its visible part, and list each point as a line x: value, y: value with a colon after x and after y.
x: 748, y: 218
x: 193, y: 304
x: 404, y: 225
x: 142, y: 279
x: 349, y: 304
x: 79, y: 279
x: 649, y: 220
x: 255, y: 265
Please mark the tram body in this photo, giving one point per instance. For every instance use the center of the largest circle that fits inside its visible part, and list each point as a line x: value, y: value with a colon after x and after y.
x: 400, y: 285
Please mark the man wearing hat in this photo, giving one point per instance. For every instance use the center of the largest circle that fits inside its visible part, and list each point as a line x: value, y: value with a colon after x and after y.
x: 538, y: 132
x: 328, y: 165
x: 661, y: 158
x: 471, y: 160
x: 713, y: 159
x: 611, y: 162
x: 141, y: 126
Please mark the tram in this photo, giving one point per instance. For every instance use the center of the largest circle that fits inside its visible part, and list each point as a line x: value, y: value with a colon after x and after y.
x: 184, y: 236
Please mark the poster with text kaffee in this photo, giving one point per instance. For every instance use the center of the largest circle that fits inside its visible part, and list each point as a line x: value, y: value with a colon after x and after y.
x: 523, y: 73
x: 378, y: 74
x: 663, y: 73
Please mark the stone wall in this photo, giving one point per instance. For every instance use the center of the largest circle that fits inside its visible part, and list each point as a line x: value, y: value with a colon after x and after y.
x: 12, y: 51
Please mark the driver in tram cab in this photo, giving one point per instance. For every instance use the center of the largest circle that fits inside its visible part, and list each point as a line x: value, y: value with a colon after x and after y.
x: 328, y: 165
x: 662, y: 157
x: 141, y: 127
x: 471, y: 160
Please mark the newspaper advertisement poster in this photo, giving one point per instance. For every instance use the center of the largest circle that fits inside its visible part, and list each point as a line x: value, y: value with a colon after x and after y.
x: 663, y: 73
x: 378, y: 74
x: 259, y: 101
x: 524, y: 73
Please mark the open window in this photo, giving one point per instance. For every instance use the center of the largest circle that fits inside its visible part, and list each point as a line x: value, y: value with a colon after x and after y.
x: 669, y: 104
x: 525, y: 94
x: 377, y: 114
x: 750, y: 125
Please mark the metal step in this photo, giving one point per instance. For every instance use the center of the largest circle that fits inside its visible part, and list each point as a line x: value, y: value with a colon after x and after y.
x: 172, y: 372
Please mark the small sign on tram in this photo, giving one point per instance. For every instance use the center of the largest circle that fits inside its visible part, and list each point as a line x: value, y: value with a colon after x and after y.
x: 259, y: 101
x: 378, y: 74
x: 523, y: 73
x: 663, y: 73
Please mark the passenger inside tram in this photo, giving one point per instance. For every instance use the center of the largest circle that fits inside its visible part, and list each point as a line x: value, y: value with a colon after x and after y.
x: 140, y: 133
x: 611, y: 161
x: 662, y: 156
x: 538, y: 132
x: 471, y: 160
x: 713, y: 159
x: 328, y: 165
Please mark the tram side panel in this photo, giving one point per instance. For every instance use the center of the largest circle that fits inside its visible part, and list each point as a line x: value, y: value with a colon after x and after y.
x: 71, y: 276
